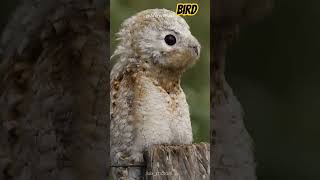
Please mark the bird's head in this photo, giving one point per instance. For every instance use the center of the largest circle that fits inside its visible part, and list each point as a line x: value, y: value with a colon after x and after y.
x: 160, y: 37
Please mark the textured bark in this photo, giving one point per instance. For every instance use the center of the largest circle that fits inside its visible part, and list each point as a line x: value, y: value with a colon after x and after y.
x: 189, y: 162
x: 54, y: 84
x: 232, y: 155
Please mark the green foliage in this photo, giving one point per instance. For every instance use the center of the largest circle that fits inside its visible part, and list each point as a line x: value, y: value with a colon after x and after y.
x: 196, y: 81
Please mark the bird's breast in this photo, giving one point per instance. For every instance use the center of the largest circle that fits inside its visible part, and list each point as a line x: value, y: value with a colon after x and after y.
x: 162, y: 117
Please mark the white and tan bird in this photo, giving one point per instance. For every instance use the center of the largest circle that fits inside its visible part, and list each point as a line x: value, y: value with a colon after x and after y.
x: 148, y: 105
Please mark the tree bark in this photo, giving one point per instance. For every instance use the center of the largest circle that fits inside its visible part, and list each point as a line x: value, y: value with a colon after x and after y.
x: 54, y: 91
x: 232, y: 153
x: 189, y: 162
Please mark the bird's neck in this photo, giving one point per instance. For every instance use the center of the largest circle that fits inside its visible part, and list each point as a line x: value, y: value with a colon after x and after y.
x: 168, y: 79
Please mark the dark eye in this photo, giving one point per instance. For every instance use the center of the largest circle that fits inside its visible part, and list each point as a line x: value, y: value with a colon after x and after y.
x: 170, y: 39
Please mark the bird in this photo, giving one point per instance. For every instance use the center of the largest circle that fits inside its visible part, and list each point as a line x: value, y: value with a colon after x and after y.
x: 148, y: 106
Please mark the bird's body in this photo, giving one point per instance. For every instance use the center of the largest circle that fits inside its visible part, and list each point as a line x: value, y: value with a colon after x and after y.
x: 148, y: 104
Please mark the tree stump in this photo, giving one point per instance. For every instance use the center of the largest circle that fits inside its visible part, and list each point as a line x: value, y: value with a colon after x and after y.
x: 175, y: 162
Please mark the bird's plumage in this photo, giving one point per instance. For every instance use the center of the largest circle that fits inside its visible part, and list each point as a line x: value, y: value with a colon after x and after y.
x: 148, y: 104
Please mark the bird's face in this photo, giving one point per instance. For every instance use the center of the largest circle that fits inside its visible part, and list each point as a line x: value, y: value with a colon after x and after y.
x: 171, y: 46
x: 162, y: 37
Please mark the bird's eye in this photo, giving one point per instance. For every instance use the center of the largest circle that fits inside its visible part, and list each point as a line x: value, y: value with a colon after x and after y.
x: 170, y: 39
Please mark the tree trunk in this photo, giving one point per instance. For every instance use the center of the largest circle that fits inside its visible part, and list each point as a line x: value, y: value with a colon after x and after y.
x: 189, y: 162
x: 54, y: 91
x: 232, y: 153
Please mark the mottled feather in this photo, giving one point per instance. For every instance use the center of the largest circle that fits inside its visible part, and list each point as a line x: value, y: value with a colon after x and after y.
x: 148, y: 105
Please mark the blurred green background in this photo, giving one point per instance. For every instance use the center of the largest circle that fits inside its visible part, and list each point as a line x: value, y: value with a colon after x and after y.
x: 196, y: 81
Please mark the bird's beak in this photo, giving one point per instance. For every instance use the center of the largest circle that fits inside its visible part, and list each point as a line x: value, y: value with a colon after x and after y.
x: 195, y: 47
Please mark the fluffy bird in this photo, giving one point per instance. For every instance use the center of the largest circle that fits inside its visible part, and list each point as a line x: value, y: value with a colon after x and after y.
x: 148, y: 105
